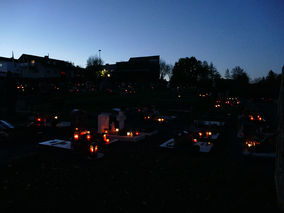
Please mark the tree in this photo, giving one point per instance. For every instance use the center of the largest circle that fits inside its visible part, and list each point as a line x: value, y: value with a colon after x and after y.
x: 227, y: 74
x: 165, y: 69
x: 208, y: 76
x: 271, y: 76
x: 192, y: 72
x: 185, y: 72
x: 213, y: 73
x: 238, y: 74
x: 94, y: 66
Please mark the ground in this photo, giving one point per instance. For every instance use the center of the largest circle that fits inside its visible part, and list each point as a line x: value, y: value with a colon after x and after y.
x: 137, y: 176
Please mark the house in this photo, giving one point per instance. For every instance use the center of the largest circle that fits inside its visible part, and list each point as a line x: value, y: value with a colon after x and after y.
x: 137, y: 70
x: 44, y: 67
x: 9, y: 65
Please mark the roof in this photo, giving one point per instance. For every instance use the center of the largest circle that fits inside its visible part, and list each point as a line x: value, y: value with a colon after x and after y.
x: 45, y: 59
x: 7, y: 59
x: 145, y: 58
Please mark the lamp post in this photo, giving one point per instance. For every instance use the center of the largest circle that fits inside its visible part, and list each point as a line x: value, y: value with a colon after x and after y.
x: 100, y: 54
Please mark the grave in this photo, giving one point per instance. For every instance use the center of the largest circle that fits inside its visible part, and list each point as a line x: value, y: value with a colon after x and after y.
x: 65, y: 145
x: 115, y: 122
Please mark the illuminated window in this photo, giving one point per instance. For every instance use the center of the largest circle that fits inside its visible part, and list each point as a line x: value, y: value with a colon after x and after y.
x: 33, y: 61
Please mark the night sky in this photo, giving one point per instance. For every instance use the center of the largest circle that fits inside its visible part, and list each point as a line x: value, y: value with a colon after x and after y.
x: 248, y: 33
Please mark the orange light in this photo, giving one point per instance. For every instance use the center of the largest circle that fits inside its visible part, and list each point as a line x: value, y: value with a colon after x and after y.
x: 252, y: 143
x: 136, y: 133
x: 93, y: 149
x: 251, y: 118
x: 39, y: 119
x: 106, y: 131
x: 88, y: 137
x: 200, y: 134
x: 117, y: 130
x: 208, y: 134
x: 76, y: 136
x: 260, y: 118
x: 129, y: 134
x: 194, y: 140
x: 106, y: 139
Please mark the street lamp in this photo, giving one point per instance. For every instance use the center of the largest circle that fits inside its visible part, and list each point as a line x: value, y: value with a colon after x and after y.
x: 100, y: 54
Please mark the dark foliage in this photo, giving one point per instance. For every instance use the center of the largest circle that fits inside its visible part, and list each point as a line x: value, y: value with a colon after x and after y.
x: 190, y: 72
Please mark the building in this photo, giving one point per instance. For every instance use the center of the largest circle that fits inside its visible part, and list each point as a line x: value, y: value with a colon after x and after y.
x: 138, y: 70
x: 44, y: 67
x: 9, y: 65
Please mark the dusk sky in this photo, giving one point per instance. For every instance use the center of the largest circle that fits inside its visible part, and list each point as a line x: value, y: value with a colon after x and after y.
x: 247, y: 33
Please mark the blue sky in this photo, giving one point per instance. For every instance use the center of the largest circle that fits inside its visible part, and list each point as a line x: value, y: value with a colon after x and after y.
x: 247, y: 33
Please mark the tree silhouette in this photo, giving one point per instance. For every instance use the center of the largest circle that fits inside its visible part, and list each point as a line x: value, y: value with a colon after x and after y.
x: 192, y: 72
x: 185, y: 72
x: 227, y: 74
x: 165, y: 69
x: 238, y: 74
x: 271, y: 76
x: 94, y: 66
x: 213, y: 73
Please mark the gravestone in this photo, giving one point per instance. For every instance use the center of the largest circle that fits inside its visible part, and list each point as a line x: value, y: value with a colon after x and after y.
x: 120, y: 118
x: 103, y: 122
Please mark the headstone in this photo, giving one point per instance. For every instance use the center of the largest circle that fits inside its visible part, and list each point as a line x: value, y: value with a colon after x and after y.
x: 120, y: 118
x: 79, y: 119
x: 103, y: 122
x: 112, y: 127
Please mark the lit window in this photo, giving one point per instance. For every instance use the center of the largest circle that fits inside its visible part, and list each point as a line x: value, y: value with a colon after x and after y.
x: 32, y: 61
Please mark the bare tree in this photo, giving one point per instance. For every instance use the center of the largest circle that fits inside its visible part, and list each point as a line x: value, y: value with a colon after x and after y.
x: 165, y: 69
